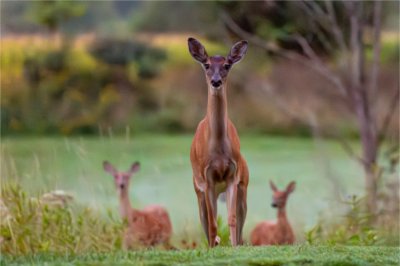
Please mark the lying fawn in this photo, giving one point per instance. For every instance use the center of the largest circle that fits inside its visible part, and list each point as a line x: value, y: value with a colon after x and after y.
x: 279, y: 232
x: 148, y: 227
x: 217, y: 163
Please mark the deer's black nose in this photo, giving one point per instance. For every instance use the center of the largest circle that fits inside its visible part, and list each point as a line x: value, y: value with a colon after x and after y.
x: 274, y: 205
x: 122, y: 186
x: 216, y: 83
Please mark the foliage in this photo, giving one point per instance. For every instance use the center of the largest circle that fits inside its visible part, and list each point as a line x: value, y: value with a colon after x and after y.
x: 160, y: 90
x: 281, y: 21
x: 223, y: 233
x: 354, y: 228
x: 121, y: 52
x: 72, y: 89
x: 276, y: 21
x: 58, y: 88
x: 51, y: 13
x: 182, y: 16
x: 34, y: 226
x: 359, y: 226
x: 267, y: 256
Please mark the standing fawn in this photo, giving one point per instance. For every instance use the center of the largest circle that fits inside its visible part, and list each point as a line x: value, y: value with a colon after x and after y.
x: 148, y: 227
x: 279, y: 232
x: 215, y: 155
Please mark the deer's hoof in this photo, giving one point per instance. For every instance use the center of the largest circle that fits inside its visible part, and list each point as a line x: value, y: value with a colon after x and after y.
x: 217, y: 240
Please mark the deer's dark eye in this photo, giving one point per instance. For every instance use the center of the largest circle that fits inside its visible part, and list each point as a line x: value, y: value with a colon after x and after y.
x: 227, y: 66
x: 206, y: 66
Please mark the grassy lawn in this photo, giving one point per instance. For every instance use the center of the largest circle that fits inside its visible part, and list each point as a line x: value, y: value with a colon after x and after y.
x: 287, y: 255
x: 75, y: 165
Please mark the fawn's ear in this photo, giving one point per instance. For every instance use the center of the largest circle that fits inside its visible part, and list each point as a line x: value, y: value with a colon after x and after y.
x: 134, y: 168
x: 290, y: 188
x: 197, y: 50
x: 237, y: 52
x: 273, y: 187
x: 109, y: 168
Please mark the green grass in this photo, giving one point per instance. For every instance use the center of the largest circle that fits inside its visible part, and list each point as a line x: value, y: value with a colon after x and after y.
x: 75, y: 165
x: 286, y: 255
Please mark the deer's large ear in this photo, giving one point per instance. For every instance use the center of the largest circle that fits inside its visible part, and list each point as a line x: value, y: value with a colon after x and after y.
x: 273, y: 187
x: 237, y: 52
x: 109, y: 168
x: 290, y: 188
x: 197, y: 50
x: 134, y: 168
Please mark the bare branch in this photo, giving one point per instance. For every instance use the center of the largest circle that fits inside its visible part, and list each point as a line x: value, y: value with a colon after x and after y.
x: 316, y: 11
x: 337, y: 32
x: 348, y: 149
x: 307, y: 48
x: 318, y: 25
x: 376, y: 47
x: 271, y: 47
x: 389, y: 116
x: 311, y: 122
x: 355, y: 45
x: 283, y: 106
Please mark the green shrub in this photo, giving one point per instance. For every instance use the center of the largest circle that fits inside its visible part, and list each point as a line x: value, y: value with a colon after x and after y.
x: 358, y: 226
x: 33, y: 226
x: 354, y: 228
x: 122, y: 52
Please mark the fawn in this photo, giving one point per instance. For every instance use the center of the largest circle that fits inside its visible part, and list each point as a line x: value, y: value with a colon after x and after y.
x: 148, y: 227
x: 279, y: 232
x: 217, y: 163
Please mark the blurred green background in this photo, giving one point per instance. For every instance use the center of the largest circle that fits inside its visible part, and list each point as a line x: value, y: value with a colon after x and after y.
x: 86, y: 81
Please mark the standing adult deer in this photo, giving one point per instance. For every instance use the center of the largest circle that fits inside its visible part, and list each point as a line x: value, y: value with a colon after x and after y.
x: 279, y: 232
x: 148, y: 227
x: 215, y: 155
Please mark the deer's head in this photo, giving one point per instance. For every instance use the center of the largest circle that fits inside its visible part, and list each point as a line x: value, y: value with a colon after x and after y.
x: 216, y: 67
x: 279, y: 197
x: 121, y: 179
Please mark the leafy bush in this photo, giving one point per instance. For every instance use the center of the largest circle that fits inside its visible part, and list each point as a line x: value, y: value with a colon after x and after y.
x: 122, y: 52
x: 354, y: 228
x: 33, y: 226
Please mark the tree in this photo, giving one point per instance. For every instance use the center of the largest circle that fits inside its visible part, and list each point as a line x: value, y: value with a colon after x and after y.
x: 354, y: 80
x: 52, y: 13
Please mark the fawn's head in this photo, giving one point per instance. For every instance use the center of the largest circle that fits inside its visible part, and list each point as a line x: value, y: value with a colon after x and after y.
x: 280, y: 196
x: 121, y: 179
x: 216, y: 67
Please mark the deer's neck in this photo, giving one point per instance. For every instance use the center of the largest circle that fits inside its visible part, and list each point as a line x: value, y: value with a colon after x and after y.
x: 125, y: 207
x: 283, y: 223
x: 217, y: 113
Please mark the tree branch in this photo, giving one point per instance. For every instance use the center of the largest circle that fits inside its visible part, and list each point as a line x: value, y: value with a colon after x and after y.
x: 389, y: 116
x: 307, y: 49
x: 317, y: 24
x: 310, y: 122
x: 337, y: 32
x: 376, y: 48
x: 272, y: 47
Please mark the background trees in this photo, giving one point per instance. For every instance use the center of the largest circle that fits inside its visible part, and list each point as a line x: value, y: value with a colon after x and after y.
x: 349, y: 30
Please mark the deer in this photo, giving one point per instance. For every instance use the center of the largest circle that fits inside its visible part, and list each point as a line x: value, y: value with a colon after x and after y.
x: 279, y: 232
x: 217, y: 163
x: 148, y: 227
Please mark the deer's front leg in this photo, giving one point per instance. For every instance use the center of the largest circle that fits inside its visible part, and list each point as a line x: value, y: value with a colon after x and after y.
x: 201, y: 199
x: 241, y: 211
x: 211, y: 203
x: 231, y: 196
